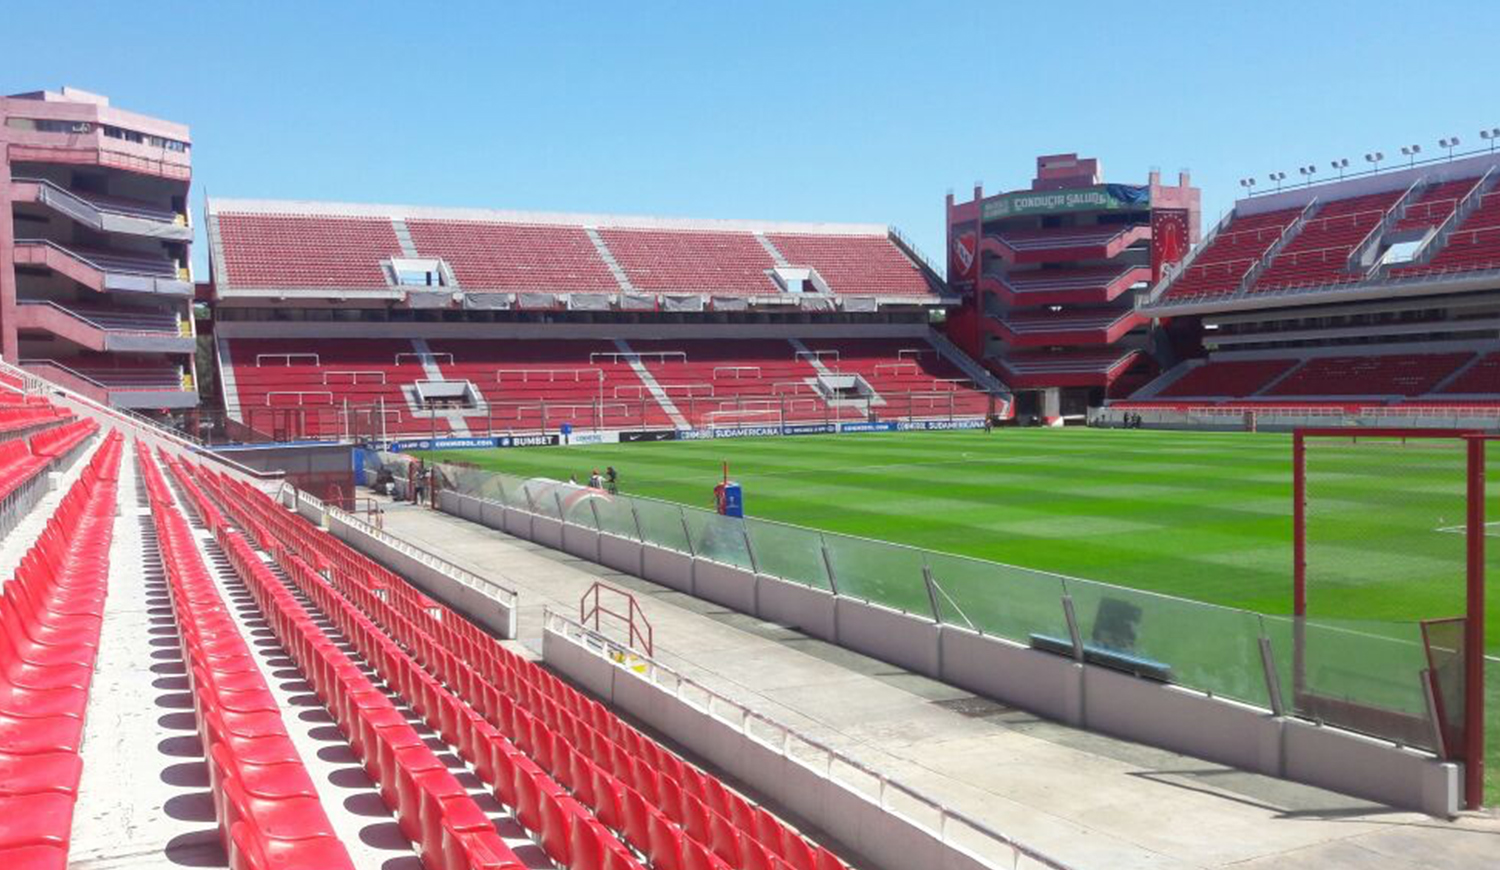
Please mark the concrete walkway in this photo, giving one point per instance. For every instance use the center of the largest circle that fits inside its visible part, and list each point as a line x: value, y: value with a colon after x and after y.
x: 1090, y: 800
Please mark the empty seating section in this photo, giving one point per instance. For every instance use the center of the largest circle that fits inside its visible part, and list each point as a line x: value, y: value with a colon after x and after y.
x: 1473, y: 245
x: 50, y: 621
x: 595, y: 793
x: 129, y: 207
x: 128, y: 377
x: 1067, y: 362
x: 125, y: 262
x: 1023, y: 281
x: 692, y: 262
x: 1319, y: 253
x: 19, y: 415
x: 1042, y: 320
x: 863, y: 265
x: 746, y: 380
x: 1483, y: 377
x: 1061, y: 238
x: 1393, y: 375
x: 326, y: 388
x: 1220, y: 266
x: 25, y: 462
x: 909, y: 375
x: 1227, y: 378
x: 1433, y: 205
x: 275, y: 377
x: 267, y: 808
x: 515, y: 257
x: 539, y: 385
x: 292, y: 251
x: 119, y: 319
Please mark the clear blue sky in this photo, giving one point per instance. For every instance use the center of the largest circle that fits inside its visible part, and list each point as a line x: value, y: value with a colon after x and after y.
x: 794, y: 111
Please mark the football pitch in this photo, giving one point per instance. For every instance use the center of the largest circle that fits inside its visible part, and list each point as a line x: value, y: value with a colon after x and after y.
x: 1197, y: 515
x: 1206, y: 516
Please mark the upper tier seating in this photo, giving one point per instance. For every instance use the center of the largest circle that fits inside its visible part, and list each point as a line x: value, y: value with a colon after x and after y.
x: 515, y: 257
x: 123, y: 377
x: 122, y: 319
x: 1229, y: 378
x: 1069, y: 362
x: 692, y: 262
x: 1319, y: 252
x: 1219, y: 267
x: 1434, y: 204
x: 1392, y: 375
x: 1043, y: 321
x: 284, y: 251
x: 855, y: 265
x: 128, y: 262
x: 1472, y: 246
x: 1022, y: 281
x: 1060, y: 237
x: 1480, y: 378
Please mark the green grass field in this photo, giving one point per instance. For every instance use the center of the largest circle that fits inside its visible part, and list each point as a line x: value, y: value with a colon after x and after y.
x: 1204, y: 516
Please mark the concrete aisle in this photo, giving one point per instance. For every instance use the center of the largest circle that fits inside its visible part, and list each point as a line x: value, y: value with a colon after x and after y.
x: 1091, y: 800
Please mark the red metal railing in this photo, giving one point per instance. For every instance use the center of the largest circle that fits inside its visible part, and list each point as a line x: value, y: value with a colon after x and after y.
x: 592, y: 606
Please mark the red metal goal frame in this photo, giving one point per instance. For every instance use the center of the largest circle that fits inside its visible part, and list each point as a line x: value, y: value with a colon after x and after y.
x: 1474, y: 530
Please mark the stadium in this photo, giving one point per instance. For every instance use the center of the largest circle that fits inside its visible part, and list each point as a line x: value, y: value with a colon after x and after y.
x: 416, y: 536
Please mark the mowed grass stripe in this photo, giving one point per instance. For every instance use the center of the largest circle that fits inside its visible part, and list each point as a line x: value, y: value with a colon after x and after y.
x: 1199, y: 515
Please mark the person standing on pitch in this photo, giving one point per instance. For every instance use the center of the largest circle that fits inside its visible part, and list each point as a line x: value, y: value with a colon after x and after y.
x: 595, y: 481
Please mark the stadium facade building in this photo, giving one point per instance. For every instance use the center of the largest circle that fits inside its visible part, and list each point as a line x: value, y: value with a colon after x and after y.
x: 1376, y: 296
x: 96, y: 288
x: 1049, y: 276
x: 359, y: 320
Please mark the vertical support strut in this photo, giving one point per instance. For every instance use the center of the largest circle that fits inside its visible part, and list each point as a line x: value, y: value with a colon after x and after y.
x: 1474, y: 630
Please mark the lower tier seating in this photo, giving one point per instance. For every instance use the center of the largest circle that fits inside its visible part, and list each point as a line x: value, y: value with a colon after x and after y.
x: 594, y: 792
x: 334, y: 387
x: 1230, y: 378
x: 50, y: 620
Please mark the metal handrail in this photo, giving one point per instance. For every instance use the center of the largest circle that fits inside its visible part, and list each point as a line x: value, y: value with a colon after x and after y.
x: 182, y: 439
x: 431, y: 560
x: 783, y: 737
x: 96, y: 324
x: 101, y: 206
x: 69, y: 252
x: 633, y: 608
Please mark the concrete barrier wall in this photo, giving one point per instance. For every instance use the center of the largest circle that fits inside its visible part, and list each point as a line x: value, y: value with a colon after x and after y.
x: 812, y: 610
x: 1020, y: 676
x: 889, y: 635
x: 1369, y: 768
x: 1213, y: 728
x: 547, y: 532
x: 621, y: 554
x: 878, y: 838
x: 481, y: 605
x: 667, y: 567
x: 1170, y: 717
x: 724, y: 584
x: 581, y: 542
